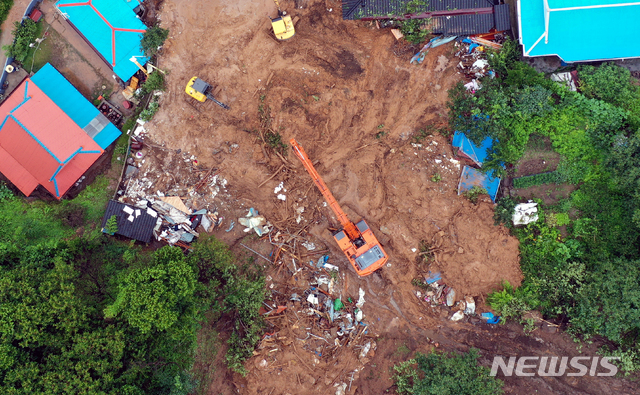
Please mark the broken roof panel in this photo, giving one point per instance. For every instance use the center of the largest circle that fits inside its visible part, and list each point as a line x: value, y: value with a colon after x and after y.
x: 565, y: 29
x: 111, y: 27
x: 133, y: 222
x: 477, y: 154
x: 475, y: 178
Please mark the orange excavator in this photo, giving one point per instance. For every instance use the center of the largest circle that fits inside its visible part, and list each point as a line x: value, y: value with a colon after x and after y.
x: 357, y: 241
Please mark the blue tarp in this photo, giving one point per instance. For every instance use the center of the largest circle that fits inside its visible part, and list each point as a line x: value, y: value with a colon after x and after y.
x: 69, y: 100
x: 471, y: 177
x: 112, y: 28
x: 467, y: 147
x: 571, y: 34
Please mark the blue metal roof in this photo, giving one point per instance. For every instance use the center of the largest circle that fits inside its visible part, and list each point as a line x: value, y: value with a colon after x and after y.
x: 111, y: 27
x: 467, y: 147
x: 577, y: 33
x: 69, y: 100
x: 475, y: 178
x: 132, y: 3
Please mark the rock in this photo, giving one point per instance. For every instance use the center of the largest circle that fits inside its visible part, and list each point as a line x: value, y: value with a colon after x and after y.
x: 474, y: 320
x: 385, y: 230
x: 438, y: 87
x: 460, y: 250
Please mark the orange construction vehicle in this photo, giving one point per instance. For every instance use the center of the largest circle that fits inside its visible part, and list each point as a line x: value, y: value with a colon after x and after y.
x: 357, y: 241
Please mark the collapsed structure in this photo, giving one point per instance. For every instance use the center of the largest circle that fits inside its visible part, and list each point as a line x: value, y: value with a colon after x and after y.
x: 449, y: 17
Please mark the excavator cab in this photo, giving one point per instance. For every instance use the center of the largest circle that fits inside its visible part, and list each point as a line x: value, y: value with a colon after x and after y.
x: 283, y: 25
x: 356, y: 240
x: 201, y: 91
x: 198, y: 89
x: 365, y: 252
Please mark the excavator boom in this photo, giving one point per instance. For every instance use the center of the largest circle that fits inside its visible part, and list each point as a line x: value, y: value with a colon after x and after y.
x: 357, y: 241
x: 348, y: 226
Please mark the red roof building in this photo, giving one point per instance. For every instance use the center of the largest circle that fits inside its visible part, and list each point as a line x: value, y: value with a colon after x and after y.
x: 40, y: 144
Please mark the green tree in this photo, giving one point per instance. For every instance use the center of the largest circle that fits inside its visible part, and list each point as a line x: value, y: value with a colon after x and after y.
x: 152, y: 39
x: 159, y: 296
x: 445, y: 374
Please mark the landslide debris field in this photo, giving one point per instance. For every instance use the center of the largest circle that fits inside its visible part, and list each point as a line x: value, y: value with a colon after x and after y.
x: 367, y: 119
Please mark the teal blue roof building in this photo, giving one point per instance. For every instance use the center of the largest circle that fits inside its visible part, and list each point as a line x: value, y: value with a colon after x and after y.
x: 79, y: 109
x: 111, y: 27
x: 579, y: 30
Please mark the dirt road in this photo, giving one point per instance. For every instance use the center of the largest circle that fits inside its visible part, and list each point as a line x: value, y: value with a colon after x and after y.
x: 338, y: 88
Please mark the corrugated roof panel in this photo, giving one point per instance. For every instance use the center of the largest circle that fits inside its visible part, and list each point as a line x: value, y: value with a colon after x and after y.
x: 49, y: 124
x: 141, y: 228
x: 463, y: 24
x: 357, y: 9
x: 18, y: 175
x: 73, y: 170
x: 26, y: 151
x: 501, y: 17
x: 64, y: 95
x: 100, y: 21
x: 71, y: 101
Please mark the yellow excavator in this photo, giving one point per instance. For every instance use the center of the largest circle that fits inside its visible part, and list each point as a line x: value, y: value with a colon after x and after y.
x: 283, y: 25
x: 201, y: 91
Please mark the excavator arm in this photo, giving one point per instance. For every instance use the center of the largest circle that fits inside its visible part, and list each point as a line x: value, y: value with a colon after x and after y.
x: 348, y: 226
x: 357, y: 241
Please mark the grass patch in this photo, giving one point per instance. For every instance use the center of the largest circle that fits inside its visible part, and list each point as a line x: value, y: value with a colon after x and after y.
x: 552, y: 177
x: 204, y: 369
x: 94, y: 199
x: 402, y: 351
x: 38, y: 58
x: 120, y: 150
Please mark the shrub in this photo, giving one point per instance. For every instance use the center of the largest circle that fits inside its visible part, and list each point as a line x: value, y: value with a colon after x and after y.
x: 474, y: 193
x: 152, y: 40
x: 155, y: 82
x: 607, y: 82
x: 148, y: 113
x: 412, y: 28
x: 504, y: 60
x: 5, y: 192
x: 435, y: 374
x: 503, y: 214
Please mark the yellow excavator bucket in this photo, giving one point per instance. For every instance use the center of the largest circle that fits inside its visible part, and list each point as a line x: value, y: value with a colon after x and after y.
x: 191, y: 91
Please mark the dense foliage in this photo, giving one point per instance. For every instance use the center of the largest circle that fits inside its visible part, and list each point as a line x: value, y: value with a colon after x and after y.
x: 437, y: 374
x: 23, y: 34
x: 581, y: 259
x: 83, y: 313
